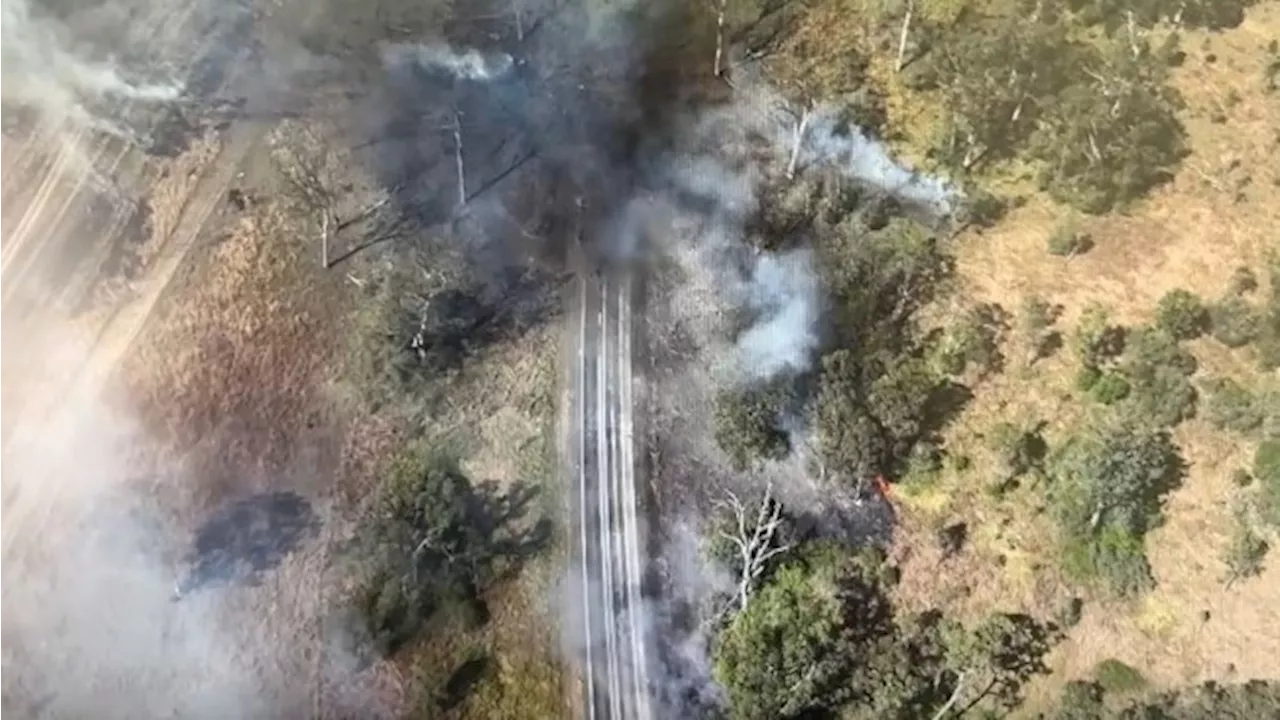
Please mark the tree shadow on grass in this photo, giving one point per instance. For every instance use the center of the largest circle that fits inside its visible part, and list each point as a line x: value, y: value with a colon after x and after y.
x: 438, y: 543
x: 463, y: 680
x: 945, y: 403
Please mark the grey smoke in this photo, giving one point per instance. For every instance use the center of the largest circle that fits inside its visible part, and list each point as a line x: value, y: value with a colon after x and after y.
x: 782, y: 292
x: 468, y: 64
x: 693, y: 582
x: 41, y: 71
x: 779, y: 292
x: 752, y: 315
x: 867, y: 160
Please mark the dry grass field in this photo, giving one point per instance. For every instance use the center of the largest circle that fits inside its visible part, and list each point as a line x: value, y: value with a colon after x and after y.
x: 1220, y: 213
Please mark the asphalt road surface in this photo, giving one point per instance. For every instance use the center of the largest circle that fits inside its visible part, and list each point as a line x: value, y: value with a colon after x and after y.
x: 615, y: 661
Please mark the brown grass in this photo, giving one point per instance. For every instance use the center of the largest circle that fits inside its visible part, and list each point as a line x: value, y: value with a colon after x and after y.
x: 172, y: 190
x: 228, y: 370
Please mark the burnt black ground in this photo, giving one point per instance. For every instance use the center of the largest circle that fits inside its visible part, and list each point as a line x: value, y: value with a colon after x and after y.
x: 247, y: 538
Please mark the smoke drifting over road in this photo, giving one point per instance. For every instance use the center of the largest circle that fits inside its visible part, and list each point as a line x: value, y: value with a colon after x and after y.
x: 565, y: 143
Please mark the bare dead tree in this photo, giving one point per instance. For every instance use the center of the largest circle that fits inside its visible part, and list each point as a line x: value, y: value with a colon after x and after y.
x: 801, y: 125
x: 755, y: 535
x: 310, y: 165
x: 902, y: 38
x: 307, y: 164
x: 457, y: 154
x: 1135, y: 46
x: 718, y: 67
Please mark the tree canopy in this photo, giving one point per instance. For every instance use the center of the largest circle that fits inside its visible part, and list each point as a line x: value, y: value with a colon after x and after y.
x: 437, y: 540
x: 788, y: 651
x: 1108, y: 489
x: 749, y: 424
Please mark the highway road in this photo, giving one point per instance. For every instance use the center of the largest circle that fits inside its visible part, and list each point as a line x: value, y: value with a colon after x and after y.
x: 615, y: 662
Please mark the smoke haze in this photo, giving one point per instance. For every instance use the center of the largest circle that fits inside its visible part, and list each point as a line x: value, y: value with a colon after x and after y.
x: 469, y: 64
x: 89, y: 567
x: 43, y: 72
x: 729, y: 314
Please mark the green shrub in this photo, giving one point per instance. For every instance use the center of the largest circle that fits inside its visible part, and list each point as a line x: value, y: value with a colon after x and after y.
x: 1035, y: 318
x: 1035, y: 315
x: 1243, y: 281
x: 1117, y: 677
x: 1232, y: 407
x: 748, y: 425
x: 1115, y: 559
x: 973, y: 340
x: 1110, y: 388
x: 1070, y: 612
x: 1107, y: 492
x: 1234, y: 322
x: 1158, y: 370
x: 435, y: 542
x: 1266, y: 470
x: 1268, y: 345
x: 1087, y: 377
x: 1095, y: 167
x: 784, y: 652
x: 1246, y: 552
x: 1266, y: 462
x: 1181, y: 314
x: 1210, y: 701
x: 1018, y: 451
x: 1080, y: 701
x: 980, y: 207
x: 1067, y: 240
x: 1096, y: 340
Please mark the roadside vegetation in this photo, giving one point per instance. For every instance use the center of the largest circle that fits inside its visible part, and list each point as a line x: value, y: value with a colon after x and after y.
x: 1033, y: 440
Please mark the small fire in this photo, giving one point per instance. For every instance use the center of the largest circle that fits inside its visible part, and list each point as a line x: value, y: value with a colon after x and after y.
x: 883, y: 487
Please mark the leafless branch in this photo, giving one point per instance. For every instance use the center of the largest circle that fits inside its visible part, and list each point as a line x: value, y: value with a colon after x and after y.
x: 369, y: 210
x: 798, y: 142
x: 717, y: 68
x: 324, y: 239
x: 955, y: 696
x: 457, y: 154
x: 902, y: 38
x: 755, y: 535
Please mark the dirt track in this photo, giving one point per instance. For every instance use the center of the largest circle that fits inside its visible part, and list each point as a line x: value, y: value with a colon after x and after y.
x: 76, y: 207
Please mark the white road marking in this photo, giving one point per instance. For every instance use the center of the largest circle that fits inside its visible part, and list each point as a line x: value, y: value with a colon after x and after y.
x: 614, y: 580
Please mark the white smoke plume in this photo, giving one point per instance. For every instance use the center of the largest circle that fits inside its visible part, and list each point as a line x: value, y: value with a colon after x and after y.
x: 89, y: 628
x: 42, y: 71
x: 97, y: 519
x: 867, y: 160
x: 469, y: 64
x: 782, y: 292
x: 779, y: 294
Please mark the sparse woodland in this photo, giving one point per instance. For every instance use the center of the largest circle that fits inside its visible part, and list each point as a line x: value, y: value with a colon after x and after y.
x: 1072, y: 103
x: 1068, y: 104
